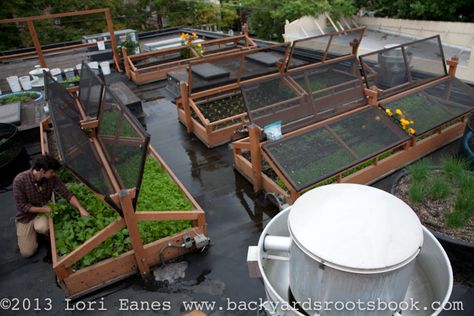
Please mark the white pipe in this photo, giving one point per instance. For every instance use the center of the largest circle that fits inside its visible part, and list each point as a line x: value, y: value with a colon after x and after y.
x: 277, y: 243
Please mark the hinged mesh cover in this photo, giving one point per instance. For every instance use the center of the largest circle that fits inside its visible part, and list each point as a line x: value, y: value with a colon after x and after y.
x: 404, y: 66
x: 120, y: 137
x: 324, y: 47
x: 302, y: 97
x: 436, y: 105
x: 124, y: 141
x: 74, y: 147
x: 90, y: 91
x: 223, y: 70
x: 310, y: 157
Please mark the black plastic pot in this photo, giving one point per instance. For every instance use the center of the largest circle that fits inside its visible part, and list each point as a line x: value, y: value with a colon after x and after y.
x: 467, y: 145
x: 454, y: 247
x: 13, y: 156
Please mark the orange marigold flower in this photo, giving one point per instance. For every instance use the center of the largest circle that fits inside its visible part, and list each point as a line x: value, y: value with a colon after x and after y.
x: 389, y: 112
x: 195, y: 35
x: 398, y: 111
x: 411, y: 131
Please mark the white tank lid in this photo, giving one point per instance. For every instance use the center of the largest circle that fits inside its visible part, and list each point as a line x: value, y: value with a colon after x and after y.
x: 355, y: 228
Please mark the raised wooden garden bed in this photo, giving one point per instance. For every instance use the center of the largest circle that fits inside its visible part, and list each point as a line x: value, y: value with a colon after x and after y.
x: 359, y: 145
x: 137, y: 225
x: 153, y: 66
x: 210, y: 97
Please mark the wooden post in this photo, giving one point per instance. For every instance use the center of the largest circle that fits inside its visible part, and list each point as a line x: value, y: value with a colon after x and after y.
x: 372, y: 95
x: 187, y: 110
x: 125, y: 62
x: 110, y: 26
x: 256, y: 157
x: 355, y: 46
x: 135, y: 238
x: 37, y: 44
x: 453, y: 65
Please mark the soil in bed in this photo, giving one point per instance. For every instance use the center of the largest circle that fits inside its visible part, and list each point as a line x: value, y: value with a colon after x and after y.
x: 218, y: 109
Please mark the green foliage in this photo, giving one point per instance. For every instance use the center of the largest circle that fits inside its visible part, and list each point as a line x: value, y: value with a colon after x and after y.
x: 23, y: 98
x: 438, y: 189
x: 268, y: 16
x: 416, y: 193
x: 455, y: 178
x: 195, y: 13
x: 455, y: 168
x: 158, y: 193
x: 129, y: 45
x: 419, y: 171
x: 437, y: 10
x: 72, y: 230
x: 74, y: 80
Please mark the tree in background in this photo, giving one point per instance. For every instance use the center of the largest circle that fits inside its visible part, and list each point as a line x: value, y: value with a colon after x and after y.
x: 437, y: 10
x: 267, y: 18
x: 195, y: 13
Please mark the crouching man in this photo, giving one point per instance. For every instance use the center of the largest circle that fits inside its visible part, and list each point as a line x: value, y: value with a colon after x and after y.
x: 32, y: 190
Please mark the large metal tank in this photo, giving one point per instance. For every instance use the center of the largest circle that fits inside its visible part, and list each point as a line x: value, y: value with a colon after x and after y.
x: 344, y: 247
x: 391, y: 68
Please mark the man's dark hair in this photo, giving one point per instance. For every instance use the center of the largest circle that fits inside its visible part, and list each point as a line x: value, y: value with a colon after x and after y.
x: 46, y: 163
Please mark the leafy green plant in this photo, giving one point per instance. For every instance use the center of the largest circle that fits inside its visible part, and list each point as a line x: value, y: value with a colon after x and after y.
x: 70, y: 82
x: 129, y: 44
x: 158, y: 193
x: 22, y: 98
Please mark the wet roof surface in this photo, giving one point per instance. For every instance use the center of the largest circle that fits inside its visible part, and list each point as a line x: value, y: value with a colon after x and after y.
x: 235, y: 217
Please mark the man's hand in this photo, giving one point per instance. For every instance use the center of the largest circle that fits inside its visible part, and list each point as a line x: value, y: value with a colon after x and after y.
x: 84, y: 213
x: 74, y: 202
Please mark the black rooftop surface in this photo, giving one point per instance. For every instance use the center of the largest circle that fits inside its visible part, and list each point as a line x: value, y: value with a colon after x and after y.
x: 235, y: 217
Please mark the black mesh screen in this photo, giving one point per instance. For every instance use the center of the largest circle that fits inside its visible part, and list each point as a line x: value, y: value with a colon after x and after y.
x: 323, y: 47
x: 90, y: 91
x: 334, y: 87
x: 75, y: 149
x: 322, y: 152
x: 270, y: 100
x: 434, y: 106
x: 124, y: 141
x: 302, y: 97
x: 223, y: 70
x: 404, y: 66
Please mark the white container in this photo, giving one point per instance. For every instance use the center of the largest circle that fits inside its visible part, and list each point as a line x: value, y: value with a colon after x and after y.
x: 14, y: 83
x: 78, y: 67
x: 105, y: 66
x: 93, y: 65
x: 25, y: 82
x: 55, y: 71
x: 348, y: 237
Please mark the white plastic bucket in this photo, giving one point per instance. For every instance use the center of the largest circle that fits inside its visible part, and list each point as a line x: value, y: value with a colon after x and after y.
x: 93, y: 65
x: 14, y: 83
x: 105, y: 66
x: 25, y: 82
x: 55, y: 71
